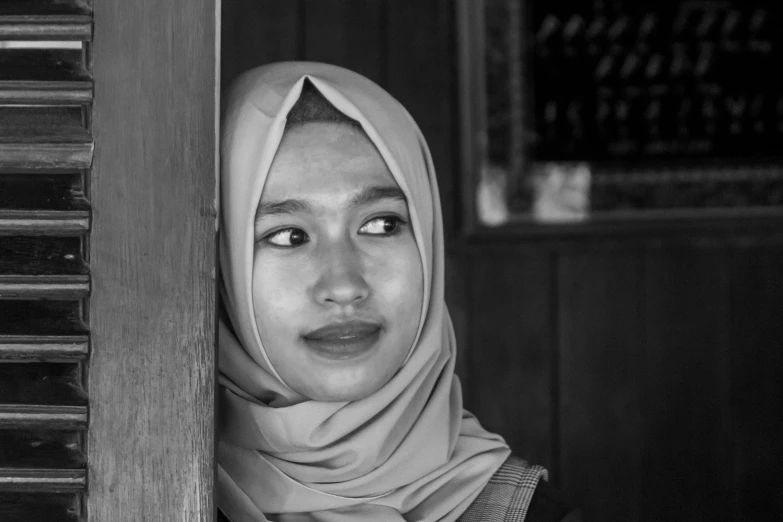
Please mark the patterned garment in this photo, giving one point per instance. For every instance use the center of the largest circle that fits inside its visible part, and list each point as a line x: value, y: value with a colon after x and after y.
x: 515, y: 493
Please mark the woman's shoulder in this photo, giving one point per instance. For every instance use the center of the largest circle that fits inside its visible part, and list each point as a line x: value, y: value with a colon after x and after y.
x: 518, y: 491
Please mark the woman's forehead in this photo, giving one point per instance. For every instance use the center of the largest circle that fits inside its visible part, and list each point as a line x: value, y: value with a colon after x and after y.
x: 325, y: 159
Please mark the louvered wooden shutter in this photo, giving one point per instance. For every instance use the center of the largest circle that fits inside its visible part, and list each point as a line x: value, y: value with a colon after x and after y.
x: 45, y: 156
x: 107, y: 261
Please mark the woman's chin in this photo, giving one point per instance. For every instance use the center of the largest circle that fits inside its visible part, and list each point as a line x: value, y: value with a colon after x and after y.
x: 347, y: 385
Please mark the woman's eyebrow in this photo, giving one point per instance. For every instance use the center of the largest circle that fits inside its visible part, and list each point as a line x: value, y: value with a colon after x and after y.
x: 287, y: 206
x: 364, y: 196
x: 376, y: 193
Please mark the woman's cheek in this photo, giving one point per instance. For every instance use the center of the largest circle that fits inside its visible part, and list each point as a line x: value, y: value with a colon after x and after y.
x: 402, y: 280
x: 386, y: 272
x: 273, y: 288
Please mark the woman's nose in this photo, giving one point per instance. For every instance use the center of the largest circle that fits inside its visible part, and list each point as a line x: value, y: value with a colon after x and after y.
x: 341, y: 280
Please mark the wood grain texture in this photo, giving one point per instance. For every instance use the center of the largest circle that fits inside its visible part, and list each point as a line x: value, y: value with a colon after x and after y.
x: 52, y: 480
x: 43, y: 348
x: 45, y: 20
x: 349, y: 33
x: 21, y: 154
x: 256, y: 33
x: 601, y: 353
x: 49, y: 93
x: 510, y: 356
x: 686, y: 384
x: 44, y: 287
x: 152, y: 310
x: 757, y: 387
x: 38, y: 222
x: 56, y: 28
x: 37, y: 416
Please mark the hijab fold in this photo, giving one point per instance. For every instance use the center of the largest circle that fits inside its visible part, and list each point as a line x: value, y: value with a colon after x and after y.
x: 408, y: 451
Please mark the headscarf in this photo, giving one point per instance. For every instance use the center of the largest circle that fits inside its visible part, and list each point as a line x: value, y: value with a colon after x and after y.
x: 408, y: 451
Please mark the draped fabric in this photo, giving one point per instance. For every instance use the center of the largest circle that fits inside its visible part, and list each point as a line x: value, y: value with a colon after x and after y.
x: 408, y: 451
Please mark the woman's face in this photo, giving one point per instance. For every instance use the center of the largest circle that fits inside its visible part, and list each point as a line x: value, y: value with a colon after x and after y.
x: 337, y: 276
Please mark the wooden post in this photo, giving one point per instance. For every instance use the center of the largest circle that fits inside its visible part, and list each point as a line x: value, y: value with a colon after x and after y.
x: 152, y: 310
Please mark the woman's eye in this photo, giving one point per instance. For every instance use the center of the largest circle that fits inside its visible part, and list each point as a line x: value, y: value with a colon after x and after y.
x: 382, y: 226
x: 289, y: 237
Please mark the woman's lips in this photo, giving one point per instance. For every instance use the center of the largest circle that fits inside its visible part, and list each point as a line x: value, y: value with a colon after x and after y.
x: 343, y: 340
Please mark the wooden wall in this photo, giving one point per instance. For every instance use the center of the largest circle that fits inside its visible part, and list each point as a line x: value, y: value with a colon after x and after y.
x: 642, y: 368
x: 649, y: 368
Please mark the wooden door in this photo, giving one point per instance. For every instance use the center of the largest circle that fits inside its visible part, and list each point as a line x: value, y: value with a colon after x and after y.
x: 107, y: 261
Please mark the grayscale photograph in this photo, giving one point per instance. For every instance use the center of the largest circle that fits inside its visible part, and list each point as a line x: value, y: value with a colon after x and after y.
x: 391, y: 260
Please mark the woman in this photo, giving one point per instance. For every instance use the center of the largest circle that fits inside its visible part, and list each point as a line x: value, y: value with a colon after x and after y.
x: 338, y: 398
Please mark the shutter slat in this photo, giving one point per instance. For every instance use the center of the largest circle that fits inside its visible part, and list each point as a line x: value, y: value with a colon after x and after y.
x: 42, y: 222
x: 78, y: 28
x: 44, y: 137
x: 52, y: 155
x: 45, y: 20
x: 41, y: 461
x: 38, y: 287
x: 45, y: 204
x: 42, y: 267
x: 45, y: 154
x: 42, y: 479
x: 41, y: 395
x: 34, y: 507
x: 43, y: 76
x: 42, y: 330
x: 37, y: 416
x: 43, y: 348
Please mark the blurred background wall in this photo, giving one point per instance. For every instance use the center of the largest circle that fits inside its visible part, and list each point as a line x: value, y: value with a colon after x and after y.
x: 641, y: 364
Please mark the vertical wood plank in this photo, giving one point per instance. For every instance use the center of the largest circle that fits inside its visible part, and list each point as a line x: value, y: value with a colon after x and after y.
x: 757, y: 385
x: 256, y: 33
x: 349, y: 33
x: 601, y: 349
x: 687, y: 417
x: 510, y: 354
x: 152, y: 369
